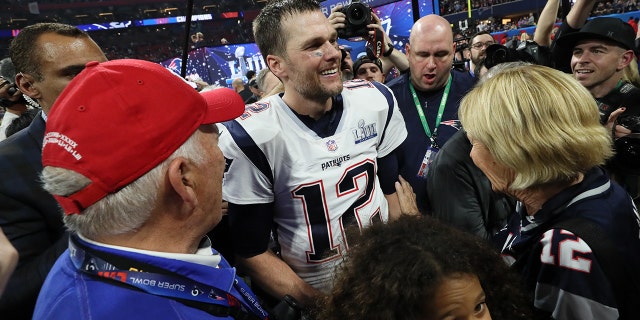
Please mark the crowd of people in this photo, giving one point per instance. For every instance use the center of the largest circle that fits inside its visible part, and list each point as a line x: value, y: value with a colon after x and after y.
x: 604, y: 7
x: 159, y: 43
x: 455, y: 6
x: 322, y: 187
x: 495, y: 24
x: 614, y: 6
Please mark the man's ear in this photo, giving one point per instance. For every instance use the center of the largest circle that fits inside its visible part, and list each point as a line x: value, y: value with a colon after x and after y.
x: 25, y: 84
x: 626, y: 59
x: 276, y: 65
x: 181, y: 180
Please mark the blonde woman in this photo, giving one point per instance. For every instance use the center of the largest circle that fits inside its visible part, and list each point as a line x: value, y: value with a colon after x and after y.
x: 538, y: 138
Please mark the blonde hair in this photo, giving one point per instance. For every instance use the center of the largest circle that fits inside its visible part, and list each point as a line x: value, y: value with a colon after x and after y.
x: 539, y: 122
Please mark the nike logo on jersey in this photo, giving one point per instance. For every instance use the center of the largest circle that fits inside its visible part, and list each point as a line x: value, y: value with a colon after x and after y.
x: 364, y: 131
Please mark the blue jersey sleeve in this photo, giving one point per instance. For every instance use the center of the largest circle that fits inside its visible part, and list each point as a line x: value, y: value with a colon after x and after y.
x: 388, y: 172
x: 251, y: 227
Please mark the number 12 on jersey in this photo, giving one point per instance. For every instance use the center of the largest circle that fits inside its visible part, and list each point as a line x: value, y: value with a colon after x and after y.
x: 325, y: 246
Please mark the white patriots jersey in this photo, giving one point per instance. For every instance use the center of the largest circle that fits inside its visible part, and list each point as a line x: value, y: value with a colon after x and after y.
x: 319, y: 185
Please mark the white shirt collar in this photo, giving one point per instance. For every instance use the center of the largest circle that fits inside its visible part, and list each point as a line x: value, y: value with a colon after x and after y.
x: 204, y: 255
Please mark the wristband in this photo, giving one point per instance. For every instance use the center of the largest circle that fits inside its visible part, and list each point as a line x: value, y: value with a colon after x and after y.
x: 389, y: 50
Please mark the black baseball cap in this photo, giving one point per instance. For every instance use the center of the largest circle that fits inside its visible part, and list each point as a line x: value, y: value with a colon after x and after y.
x: 365, y: 59
x: 609, y: 29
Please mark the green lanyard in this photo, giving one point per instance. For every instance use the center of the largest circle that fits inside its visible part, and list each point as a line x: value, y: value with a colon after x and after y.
x: 443, y: 103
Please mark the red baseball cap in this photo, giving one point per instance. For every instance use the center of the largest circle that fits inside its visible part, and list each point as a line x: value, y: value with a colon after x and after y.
x: 119, y: 119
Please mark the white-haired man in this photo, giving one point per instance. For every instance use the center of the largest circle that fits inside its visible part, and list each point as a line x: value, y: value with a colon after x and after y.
x: 139, y: 179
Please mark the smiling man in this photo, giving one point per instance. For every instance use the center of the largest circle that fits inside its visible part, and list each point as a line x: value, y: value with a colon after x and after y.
x: 428, y: 98
x: 601, y: 50
x: 309, y: 161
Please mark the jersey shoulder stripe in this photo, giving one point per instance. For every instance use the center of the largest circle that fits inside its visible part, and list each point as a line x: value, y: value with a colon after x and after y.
x: 249, y: 147
x: 389, y: 96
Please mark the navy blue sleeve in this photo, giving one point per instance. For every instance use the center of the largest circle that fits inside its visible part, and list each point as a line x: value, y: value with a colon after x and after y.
x: 250, y: 228
x: 388, y: 172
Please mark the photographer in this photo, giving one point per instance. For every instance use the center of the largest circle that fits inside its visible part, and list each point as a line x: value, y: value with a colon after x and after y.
x: 599, y: 52
x: 462, y: 55
x: 369, y: 27
x: 346, y: 63
x: 11, y: 98
x: 479, y: 44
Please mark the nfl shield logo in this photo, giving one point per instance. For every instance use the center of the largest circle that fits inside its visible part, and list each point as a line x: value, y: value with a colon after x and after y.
x: 331, y: 145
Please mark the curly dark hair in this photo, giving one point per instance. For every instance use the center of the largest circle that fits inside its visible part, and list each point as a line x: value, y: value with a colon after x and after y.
x: 26, y: 56
x: 267, y: 27
x: 394, y: 269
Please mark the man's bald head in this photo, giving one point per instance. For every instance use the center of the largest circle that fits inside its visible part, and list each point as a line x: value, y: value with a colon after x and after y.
x: 429, y: 24
x: 430, y: 52
x: 237, y: 84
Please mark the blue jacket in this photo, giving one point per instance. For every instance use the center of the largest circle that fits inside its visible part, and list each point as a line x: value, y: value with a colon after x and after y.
x: 412, y: 151
x: 559, y: 268
x: 30, y: 218
x: 69, y: 293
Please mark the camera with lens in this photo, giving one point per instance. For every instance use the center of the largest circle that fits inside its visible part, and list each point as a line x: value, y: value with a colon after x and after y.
x: 462, y: 44
x: 358, y: 16
x: 459, y: 61
x: 528, y: 51
x: 627, y: 147
x: 627, y: 156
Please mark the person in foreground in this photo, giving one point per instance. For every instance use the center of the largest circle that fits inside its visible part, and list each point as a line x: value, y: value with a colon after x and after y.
x: 139, y: 179
x: 539, y: 139
x: 451, y: 274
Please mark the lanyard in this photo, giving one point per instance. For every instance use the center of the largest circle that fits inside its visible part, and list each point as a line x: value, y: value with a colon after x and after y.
x: 166, y: 285
x: 423, y: 119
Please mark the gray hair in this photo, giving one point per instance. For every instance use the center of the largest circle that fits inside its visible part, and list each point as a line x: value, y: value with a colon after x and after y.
x: 125, y: 210
x: 260, y: 79
x: 501, y: 67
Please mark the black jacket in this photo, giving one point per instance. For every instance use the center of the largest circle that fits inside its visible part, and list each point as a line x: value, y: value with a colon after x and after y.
x: 30, y: 217
x: 461, y: 195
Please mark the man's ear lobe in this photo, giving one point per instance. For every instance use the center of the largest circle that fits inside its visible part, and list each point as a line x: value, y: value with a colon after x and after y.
x: 627, y: 58
x: 26, y: 86
x: 180, y: 179
x: 275, y: 65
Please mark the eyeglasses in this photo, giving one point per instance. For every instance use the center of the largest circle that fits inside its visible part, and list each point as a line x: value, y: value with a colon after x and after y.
x: 480, y: 45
